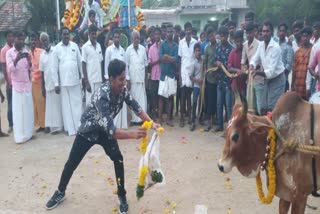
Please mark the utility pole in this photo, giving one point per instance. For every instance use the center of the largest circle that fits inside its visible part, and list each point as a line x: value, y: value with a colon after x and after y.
x: 129, y: 13
x: 58, y: 14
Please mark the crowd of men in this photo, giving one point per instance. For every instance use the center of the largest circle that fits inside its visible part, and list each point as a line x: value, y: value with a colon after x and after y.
x: 169, y: 69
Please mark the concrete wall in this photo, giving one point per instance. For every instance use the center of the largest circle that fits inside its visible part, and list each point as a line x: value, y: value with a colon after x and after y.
x: 203, y: 18
x: 156, y: 17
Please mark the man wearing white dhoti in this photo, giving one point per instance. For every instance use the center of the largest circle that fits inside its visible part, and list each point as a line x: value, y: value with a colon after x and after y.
x: 67, y: 73
x: 92, y: 58
x: 136, y: 60
x: 19, y: 66
x: 115, y: 51
x: 53, y: 114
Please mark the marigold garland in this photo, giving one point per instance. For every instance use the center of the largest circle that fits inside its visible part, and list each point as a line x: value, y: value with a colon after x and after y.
x: 145, y: 168
x: 271, y: 172
x: 144, y: 141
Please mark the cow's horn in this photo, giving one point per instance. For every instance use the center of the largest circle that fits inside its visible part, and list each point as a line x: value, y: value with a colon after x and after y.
x: 237, y: 96
x: 244, y: 106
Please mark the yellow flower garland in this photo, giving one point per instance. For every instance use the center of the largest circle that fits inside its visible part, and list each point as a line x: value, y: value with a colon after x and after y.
x: 144, y: 141
x: 271, y: 172
x: 145, y: 168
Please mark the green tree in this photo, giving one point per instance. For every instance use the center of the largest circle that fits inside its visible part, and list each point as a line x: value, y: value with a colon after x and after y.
x: 44, y: 14
x: 286, y: 10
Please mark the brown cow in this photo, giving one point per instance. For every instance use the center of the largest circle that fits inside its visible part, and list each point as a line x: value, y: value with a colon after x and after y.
x: 246, y: 141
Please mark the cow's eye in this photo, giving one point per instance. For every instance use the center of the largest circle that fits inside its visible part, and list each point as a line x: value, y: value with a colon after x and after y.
x: 235, y: 137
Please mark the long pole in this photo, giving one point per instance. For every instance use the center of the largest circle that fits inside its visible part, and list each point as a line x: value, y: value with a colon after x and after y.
x: 129, y: 12
x: 58, y: 14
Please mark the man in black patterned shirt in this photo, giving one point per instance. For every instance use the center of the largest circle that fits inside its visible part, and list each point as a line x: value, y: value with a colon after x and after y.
x: 97, y: 128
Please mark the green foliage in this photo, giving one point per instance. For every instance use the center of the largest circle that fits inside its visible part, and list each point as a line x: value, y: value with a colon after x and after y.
x: 139, y: 191
x: 44, y: 14
x: 156, y: 176
x: 285, y: 10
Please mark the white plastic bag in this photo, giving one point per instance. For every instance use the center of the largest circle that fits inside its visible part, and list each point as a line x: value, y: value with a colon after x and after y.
x: 152, y: 159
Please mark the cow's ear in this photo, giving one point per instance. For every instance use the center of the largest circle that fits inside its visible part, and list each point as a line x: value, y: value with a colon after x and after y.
x: 259, y: 129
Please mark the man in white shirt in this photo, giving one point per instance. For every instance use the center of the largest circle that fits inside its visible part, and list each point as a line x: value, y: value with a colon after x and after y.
x: 311, y: 81
x: 186, y: 53
x: 92, y: 5
x: 136, y: 60
x: 269, y: 55
x: 115, y: 51
x: 53, y: 115
x: 67, y: 73
x: 92, y: 63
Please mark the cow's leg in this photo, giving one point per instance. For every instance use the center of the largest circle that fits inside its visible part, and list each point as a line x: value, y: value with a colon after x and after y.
x: 299, y: 205
x: 284, y: 206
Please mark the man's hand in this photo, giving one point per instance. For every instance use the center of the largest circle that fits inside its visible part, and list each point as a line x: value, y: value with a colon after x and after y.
x: 19, y: 56
x: 57, y: 89
x: 139, y: 133
x: 155, y: 126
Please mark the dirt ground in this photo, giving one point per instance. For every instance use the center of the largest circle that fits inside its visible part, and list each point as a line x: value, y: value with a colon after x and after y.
x: 30, y: 173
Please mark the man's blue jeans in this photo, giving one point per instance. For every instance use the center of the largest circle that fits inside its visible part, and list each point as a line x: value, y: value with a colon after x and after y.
x: 224, y: 95
x: 259, y: 93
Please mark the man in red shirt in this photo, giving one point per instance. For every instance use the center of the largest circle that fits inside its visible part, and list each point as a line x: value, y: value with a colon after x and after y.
x: 234, y: 64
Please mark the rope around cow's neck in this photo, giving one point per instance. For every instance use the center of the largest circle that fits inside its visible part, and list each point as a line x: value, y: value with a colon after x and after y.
x: 291, y: 145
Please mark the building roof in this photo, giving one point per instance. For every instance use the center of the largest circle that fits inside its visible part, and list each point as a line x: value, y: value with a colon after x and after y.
x: 14, y: 16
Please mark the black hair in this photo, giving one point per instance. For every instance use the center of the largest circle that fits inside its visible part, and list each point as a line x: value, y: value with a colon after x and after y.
x: 210, y: 30
x: 238, y: 34
x: 231, y: 23
x: 7, y: 33
x: 64, y: 28
x: 92, y: 13
x: 177, y: 28
x: 223, y: 30
x: 283, y: 25
x: 116, y: 31
x: 157, y: 29
x: 197, y: 45
x: 307, y: 30
x: 18, y: 34
x: 250, y: 27
x: 249, y: 15
x: 268, y: 24
x: 202, y: 33
x: 34, y: 35
x: 187, y: 25
x: 297, y: 24
x: 93, y: 28
x: 116, y: 67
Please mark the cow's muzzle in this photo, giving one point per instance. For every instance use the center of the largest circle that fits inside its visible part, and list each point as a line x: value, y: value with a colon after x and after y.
x: 221, y: 168
x: 225, y: 166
